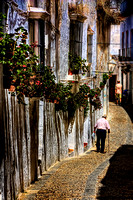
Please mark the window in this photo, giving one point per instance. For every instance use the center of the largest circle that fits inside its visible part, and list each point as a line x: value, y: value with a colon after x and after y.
x: 123, y: 50
x: 89, y: 48
x: 47, y: 36
x: 36, y: 31
x: 127, y: 45
x: 123, y: 40
x: 131, y: 43
x: 76, y: 30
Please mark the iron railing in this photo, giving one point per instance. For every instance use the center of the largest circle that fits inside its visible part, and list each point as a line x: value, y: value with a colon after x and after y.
x: 126, y: 54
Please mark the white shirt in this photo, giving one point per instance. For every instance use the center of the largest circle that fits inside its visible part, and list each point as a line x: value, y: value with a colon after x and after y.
x: 102, y: 124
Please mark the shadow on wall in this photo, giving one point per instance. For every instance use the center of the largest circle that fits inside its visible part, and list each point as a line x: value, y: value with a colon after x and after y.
x: 118, y: 181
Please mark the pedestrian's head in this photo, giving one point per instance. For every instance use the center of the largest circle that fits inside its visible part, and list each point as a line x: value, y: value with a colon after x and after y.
x: 104, y: 116
x: 118, y: 81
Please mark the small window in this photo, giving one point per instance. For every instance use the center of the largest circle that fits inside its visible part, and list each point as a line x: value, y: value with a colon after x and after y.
x: 127, y: 39
x: 89, y: 48
x: 131, y: 45
x: 36, y: 30
x: 122, y: 40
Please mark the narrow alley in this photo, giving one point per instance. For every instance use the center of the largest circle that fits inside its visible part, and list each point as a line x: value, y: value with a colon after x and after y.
x: 93, y: 175
x: 65, y: 64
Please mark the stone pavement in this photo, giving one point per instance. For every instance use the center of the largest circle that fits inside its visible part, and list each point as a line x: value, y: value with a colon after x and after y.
x: 93, y: 175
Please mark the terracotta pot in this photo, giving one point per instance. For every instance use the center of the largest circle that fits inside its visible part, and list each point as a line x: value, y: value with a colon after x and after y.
x: 12, y: 88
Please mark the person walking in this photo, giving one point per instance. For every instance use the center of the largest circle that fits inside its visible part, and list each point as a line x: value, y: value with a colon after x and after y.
x: 118, y: 92
x: 100, y: 127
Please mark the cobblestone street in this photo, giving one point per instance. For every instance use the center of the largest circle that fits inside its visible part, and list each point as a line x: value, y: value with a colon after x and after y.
x: 93, y: 175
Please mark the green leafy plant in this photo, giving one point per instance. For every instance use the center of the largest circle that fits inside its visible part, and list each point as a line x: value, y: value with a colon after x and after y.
x: 96, y: 102
x: 27, y: 80
x: 6, y: 43
x: 102, y: 85
x: 76, y: 64
x: 105, y: 78
x: 82, y: 97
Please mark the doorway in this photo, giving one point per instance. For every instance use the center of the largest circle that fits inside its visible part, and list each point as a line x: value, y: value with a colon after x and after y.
x: 112, y: 82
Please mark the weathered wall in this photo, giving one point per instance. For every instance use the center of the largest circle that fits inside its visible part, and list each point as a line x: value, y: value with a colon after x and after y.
x: 115, y: 39
x: 53, y: 144
x: 1, y: 133
x: 89, y: 23
x: 17, y: 147
x: 32, y: 131
x: 89, y: 10
x: 17, y: 16
x: 35, y: 131
x: 64, y: 28
x: 103, y: 45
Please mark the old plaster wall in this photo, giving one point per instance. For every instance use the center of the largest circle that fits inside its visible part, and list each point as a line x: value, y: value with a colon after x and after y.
x: 64, y: 40
x: 89, y: 9
x: 32, y: 132
x: 35, y: 131
x: 103, y: 45
x: 53, y: 135
x: 17, y: 147
x: 1, y: 133
x: 115, y: 40
x: 90, y: 22
x: 16, y: 16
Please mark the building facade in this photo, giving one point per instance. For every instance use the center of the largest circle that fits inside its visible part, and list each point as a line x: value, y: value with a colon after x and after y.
x: 126, y: 51
x: 57, y: 28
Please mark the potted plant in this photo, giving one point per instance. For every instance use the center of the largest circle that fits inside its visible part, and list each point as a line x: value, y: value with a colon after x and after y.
x: 77, y: 64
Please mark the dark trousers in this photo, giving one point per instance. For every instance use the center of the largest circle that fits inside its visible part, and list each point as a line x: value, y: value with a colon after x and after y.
x: 101, y: 136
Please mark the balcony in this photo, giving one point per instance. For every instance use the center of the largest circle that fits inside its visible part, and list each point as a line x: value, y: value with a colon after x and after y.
x: 126, y: 54
x: 126, y: 8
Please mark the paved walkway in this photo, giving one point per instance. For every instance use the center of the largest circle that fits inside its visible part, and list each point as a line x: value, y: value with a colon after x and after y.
x: 93, y: 175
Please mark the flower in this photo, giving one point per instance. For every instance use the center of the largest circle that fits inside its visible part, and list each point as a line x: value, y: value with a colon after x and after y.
x: 37, y: 82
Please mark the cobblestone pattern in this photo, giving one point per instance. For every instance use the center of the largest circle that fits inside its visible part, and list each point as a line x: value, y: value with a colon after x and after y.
x: 90, y: 190
x: 79, y: 178
x: 115, y: 181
